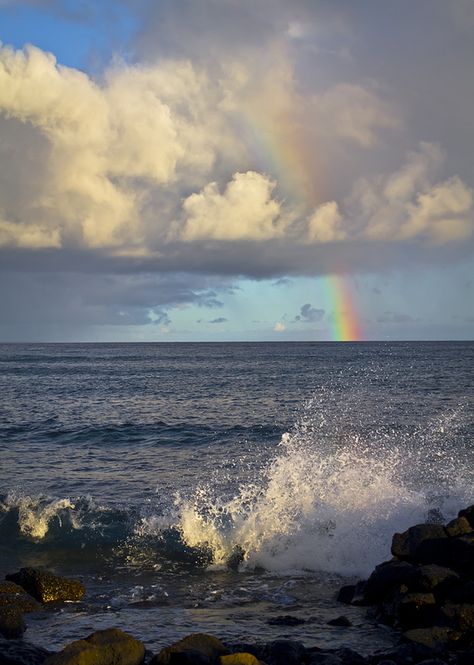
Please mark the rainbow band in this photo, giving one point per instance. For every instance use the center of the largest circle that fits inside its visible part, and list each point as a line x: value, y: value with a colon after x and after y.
x: 345, y: 322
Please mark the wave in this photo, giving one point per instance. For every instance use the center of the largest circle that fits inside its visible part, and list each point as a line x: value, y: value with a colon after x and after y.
x: 329, y: 499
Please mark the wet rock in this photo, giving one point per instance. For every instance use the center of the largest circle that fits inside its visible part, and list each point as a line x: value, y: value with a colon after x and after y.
x: 458, y: 527
x: 323, y: 658
x: 46, y: 587
x: 190, y: 657
x: 283, y: 652
x: 421, y: 543
x: 17, y: 652
x: 416, y: 610
x: 438, y: 638
x: 346, y: 594
x: 386, y: 578
x: 104, y: 647
x: 468, y: 513
x: 460, y: 592
x: 462, y: 554
x: 207, y: 645
x: 286, y: 620
x: 14, y: 602
x: 12, y: 623
x: 432, y: 661
x: 434, y: 578
x: 239, y: 659
x: 460, y: 617
x: 349, y: 656
x: 340, y: 621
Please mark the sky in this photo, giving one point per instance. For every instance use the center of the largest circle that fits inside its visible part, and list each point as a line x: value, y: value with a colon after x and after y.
x: 236, y: 170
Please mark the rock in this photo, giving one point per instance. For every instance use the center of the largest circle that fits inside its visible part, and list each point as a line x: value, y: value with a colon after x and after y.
x: 434, y: 578
x: 346, y: 594
x: 12, y: 624
x: 104, y: 647
x: 386, y: 578
x: 460, y: 592
x: 462, y: 554
x: 286, y: 620
x: 438, y: 638
x: 468, y: 513
x: 460, y: 617
x: 14, y: 602
x: 323, y: 658
x: 46, y: 587
x: 416, y: 610
x: 421, y: 543
x: 432, y: 661
x: 17, y: 652
x: 207, y: 645
x: 283, y: 652
x: 458, y: 527
x: 190, y: 657
x: 239, y: 659
x: 340, y: 621
x: 349, y: 656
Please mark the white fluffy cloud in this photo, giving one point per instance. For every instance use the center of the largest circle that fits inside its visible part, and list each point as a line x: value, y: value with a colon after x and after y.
x: 411, y: 203
x: 167, y: 162
x: 245, y: 211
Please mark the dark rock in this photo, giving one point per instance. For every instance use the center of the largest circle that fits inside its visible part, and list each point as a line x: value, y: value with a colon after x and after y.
x: 386, y: 578
x: 46, y: 587
x: 283, y: 652
x: 437, y: 638
x: 359, y: 597
x: 235, y: 558
x: 434, y: 578
x: 349, y: 656
x: 104, y: 647
x: 458, y: 527
x: 432, y: 661
x: 468, y: 513
x: 324, y: 658
x: 460, y: 617
x: 462, y: 554
x: 386, y: 662
x: 460, y: 592
x: 17, y: 652
x: 12, y: 624
x: 416, y: 610
x: 189, y: 657
x: 346, y: 594
x: 421, y: 543
x: 286, y: 620
x: 207, y: 645
x: 340, y: 621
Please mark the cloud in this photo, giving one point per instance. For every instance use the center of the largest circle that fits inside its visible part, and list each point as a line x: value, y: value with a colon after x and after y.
x: 408, y: 204
x: 354, y: 113
x: 326, y: 224
x: 245, y: 211
x: 310, y: 314
x: 279, y: 327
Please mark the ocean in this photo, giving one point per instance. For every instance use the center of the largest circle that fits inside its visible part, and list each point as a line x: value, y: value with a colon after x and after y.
x: 147, y: 470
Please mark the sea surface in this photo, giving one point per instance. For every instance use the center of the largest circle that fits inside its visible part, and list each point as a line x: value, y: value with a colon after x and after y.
x: 150, y: 470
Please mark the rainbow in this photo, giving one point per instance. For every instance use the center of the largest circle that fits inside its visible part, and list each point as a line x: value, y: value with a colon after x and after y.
x: 278, y: 146
x: 345, y: 322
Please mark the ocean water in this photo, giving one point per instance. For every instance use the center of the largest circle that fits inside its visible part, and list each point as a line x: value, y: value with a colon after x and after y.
x: 146, y: 469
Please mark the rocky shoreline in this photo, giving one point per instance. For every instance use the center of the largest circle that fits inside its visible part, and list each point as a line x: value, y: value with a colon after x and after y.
x: 426, y: 592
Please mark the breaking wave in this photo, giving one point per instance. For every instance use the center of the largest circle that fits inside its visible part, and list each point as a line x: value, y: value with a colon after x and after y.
x: 329, y: 499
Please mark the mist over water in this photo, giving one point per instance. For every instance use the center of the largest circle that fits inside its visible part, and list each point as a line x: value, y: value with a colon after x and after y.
x: 155, y: 462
